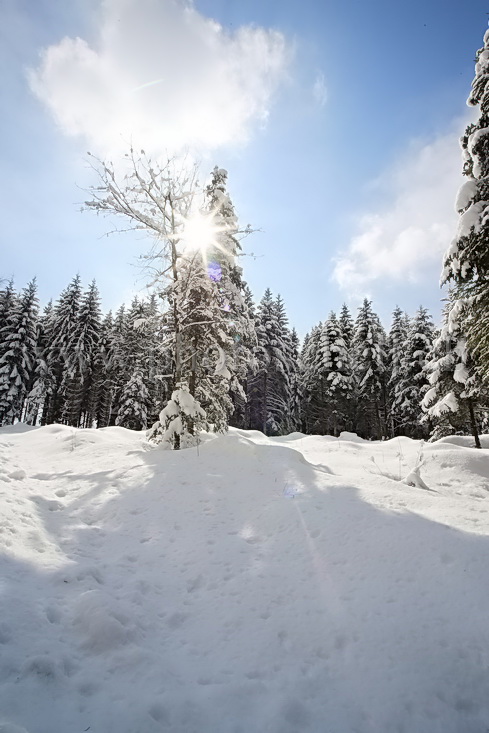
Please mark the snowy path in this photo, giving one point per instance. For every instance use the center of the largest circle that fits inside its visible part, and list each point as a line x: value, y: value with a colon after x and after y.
x: 257, y: 584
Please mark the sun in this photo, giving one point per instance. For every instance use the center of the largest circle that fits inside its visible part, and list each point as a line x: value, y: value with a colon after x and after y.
x: 199, y: 233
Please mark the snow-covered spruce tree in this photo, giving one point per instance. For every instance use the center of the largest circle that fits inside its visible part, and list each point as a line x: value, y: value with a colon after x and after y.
x: 411, y: 381
x: 213, y: 310
x: 64, y: 325
x: 270, y: 385
x: 133, y: 411
x: 158, y: 359
x: 205, y: 357
x: 313, y: 403
x: 336, y: 375
x: 296, y: 389
x: 141, y: 360
x: 115, y: 368
x: 7, y: 302
x: 161, y: 200
x: 106, y: 392
x: 395, y: 354
x: 466, y: 262
x: 242, y: 415
x: 289, y: 420
x: 180, y: 419
x: 347, y: 326
x: 81, y: 379
x: 455, y: 391
x: 18, y: 340
x: 235, y: 316
x: 370, y: 362
x: 43, y: 378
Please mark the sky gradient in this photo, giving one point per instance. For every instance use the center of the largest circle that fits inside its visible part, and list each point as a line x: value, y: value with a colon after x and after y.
x: 338, y: 124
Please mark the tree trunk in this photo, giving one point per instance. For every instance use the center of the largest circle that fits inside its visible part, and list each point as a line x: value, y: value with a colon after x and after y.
x: 192, y: 386
x: 473, y: 423
x: 379, y: 421
x: 193, y: 375
x: 177, y: 374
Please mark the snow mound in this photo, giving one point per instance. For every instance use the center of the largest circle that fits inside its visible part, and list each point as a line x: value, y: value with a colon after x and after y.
x: 16, y: 429
x: 351, y: 437
x: 291, y: 437
x: 466, y: 441
x: 99, y: 620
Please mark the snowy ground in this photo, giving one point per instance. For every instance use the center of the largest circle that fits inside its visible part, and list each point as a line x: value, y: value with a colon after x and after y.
x: 255, y: 585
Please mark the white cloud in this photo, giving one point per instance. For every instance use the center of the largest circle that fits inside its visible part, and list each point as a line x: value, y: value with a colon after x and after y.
x: 163, y: 76
x: 319, y: 91
x: 400, y: 241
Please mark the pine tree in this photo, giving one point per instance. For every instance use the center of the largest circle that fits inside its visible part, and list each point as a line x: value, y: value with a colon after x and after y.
x: 412, y: 378
x: 368, y: 342
x: 336, y: 374
x: 347, y: 326
x: 313, y: 403
x: 8, y: 301
x: 133, y: 412
x: 141, y: 363
x: 395, y: 354
x: 466, y: 263
x: 106, y: 392
x: 242, y: 415
x: 43, y: 378
x: 270, y: 388
x: 455, y: 391
x: 296, y: 391
x: 64, y: 333
x: 287, y: 422
x: 80, y: 384
x: 18, y: 355
x: 236, y: 316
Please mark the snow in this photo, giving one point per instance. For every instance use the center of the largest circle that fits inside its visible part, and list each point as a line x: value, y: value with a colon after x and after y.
x: 250, y: 584
x: 448, y: 403
x: 460, y: 373
x: 471, y: 219
x: 221, y: 369
x: 466, y: 193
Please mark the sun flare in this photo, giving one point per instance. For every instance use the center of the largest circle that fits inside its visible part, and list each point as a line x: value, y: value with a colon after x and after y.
x: 199, y: 233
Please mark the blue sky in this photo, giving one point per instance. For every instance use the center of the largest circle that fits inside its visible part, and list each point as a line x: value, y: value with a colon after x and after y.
x: 337, y: 121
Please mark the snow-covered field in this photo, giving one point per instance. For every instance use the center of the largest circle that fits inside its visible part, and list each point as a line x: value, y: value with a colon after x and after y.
x: 253, y: 585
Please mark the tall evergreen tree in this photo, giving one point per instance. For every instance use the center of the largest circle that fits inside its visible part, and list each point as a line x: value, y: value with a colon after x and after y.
x: 80, y: 384
x: 313, y: 404
x: 270, y: 385
x: 347, y: 326
x: 7, y: 303
x: 466, y: 263
x: 395, y: 354
x: 296, y: 390
x: 370, y: 361
x: 18, y: 355
x: 455, y: 392
x: 64, y: 333
x: 133, y: 412
x: 412, y: 378
x: 43, y: 378
x: 104, y: 367
x: 336, y: 375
